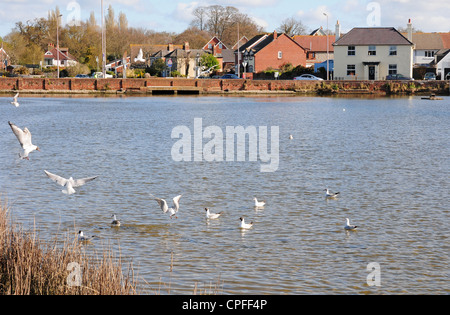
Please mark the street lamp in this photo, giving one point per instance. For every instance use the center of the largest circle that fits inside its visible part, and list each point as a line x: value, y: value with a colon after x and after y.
x: 328, y: 53
x: 57, y: 42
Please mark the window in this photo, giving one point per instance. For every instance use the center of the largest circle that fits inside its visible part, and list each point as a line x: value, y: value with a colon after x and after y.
x: 280, y: 54
x: 311, y: 55
x: 372, y: 50
x: 393, y: 51
x: 392, y: 69
x: 351, y: 51
x: 209, y: 46
x: 429, y: 53
x: 351, y: 69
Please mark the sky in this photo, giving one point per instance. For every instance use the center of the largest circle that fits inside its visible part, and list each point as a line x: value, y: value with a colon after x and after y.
x: 175, y: 15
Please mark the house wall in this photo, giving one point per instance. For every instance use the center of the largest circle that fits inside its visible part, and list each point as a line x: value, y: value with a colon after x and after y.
x: 268, y: 56
x: 420, y: 58
x: 442, y: 65
x: 403, y: 60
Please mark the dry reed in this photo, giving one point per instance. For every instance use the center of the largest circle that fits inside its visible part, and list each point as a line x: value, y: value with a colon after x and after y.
x: 29, y: 266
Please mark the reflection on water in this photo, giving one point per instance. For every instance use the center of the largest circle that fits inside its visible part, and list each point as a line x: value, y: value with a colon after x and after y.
x: 387, y: 157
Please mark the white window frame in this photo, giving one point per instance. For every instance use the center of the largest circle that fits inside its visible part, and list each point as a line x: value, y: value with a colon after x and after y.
x: 351, y: 50
x: 393, y: 51
x: 280, y: 54
x: 392, y: 69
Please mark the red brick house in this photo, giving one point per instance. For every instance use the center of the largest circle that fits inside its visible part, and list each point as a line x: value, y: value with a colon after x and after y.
x: 269, y: 51
x: 224, y: 55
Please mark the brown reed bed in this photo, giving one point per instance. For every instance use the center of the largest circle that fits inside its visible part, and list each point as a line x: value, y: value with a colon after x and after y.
x: 29, y: 266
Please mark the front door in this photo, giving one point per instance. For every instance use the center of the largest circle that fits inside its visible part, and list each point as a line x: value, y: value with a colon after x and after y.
x: 371, y: 72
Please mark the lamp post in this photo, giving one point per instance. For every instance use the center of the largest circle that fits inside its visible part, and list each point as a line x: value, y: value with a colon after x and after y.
x: 328, y: 52
x: 57, y: 42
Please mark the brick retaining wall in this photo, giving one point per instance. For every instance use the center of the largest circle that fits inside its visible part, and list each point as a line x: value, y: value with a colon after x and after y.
x: 68, y: 85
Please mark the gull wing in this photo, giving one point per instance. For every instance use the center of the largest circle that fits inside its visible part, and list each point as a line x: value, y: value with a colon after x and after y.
x: 82, y: 181
x: 163, y: 204
x: 176, y: 202
x: 16, y: 96
x: 58, y: 179
x: 24, y: 136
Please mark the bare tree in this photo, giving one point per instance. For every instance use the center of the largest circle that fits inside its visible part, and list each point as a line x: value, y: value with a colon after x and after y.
x: 292, y: 26
x: 200, y: 17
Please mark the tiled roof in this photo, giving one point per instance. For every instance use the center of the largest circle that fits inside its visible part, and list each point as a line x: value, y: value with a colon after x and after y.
x: 315, y: 43
x: 61, y: 53
x: 426, y: 40
x: 364, y: 36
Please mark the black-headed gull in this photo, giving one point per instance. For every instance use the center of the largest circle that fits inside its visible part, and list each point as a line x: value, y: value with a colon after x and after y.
x: 245, y: 225
x: 210, y: 215
x: 165, y: 208
x: 349, y: 226
x: 329, y: 194
x: 24, y: 137
x: 84, y: 238
x: 259, y: 203
x: 15, y: 102
x: 70, y: 183
x: 115, y: 222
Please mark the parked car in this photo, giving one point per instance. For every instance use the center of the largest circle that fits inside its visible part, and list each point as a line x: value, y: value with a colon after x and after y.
x: 99, y: 75
x: 82, y: 76
x: 398, y: 76
x: 308, y: 77
x: 429, y: 76
x: 229, y: 76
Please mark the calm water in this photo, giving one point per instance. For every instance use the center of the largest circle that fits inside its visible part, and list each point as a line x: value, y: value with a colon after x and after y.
x: 389, y: 158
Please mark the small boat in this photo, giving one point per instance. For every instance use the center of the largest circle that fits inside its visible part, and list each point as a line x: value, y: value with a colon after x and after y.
x: 432, y: 97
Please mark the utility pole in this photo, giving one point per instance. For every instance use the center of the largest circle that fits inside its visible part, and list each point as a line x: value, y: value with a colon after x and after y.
x: 57, y: 42
x: 328, y: 53
x: 103, y: 44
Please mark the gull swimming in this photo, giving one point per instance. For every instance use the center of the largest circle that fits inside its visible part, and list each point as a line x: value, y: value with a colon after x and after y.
x: 70, y: 183
x: 259, y: 203
x: 115, y: 222
x: 291, y: 137
x: 329, y: 194
x: 245, y: 225
x: 84, y: 238
x: 210, y: 215
x: 165, y: 208
x: 24, y: 137
x: 14, y: 102
x: 349, y: 226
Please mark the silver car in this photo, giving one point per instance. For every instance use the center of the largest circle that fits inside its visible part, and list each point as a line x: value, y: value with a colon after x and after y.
x: 308, y: 77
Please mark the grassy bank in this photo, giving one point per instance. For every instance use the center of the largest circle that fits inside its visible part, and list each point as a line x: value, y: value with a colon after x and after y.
x: 29, y: 266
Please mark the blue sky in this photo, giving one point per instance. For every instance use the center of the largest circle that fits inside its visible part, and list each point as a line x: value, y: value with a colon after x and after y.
x: 175, y: 15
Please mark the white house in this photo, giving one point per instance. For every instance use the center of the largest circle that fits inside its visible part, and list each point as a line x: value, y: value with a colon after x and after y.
x: 443, y: 64
x: 54, y: 55
x: 372, y: 53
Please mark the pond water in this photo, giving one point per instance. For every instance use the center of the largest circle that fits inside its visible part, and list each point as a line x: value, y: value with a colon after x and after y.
x: 388, y: 158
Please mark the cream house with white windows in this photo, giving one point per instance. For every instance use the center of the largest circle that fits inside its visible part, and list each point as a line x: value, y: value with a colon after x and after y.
x: 372, y: 53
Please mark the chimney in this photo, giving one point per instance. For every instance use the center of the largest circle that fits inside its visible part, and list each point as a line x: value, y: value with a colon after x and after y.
x: 186, y: 46
x: 338, y: 30
x: 275, y: 35
x: 50, y: 46
x: 410, y: 30
x: 170, y: 47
